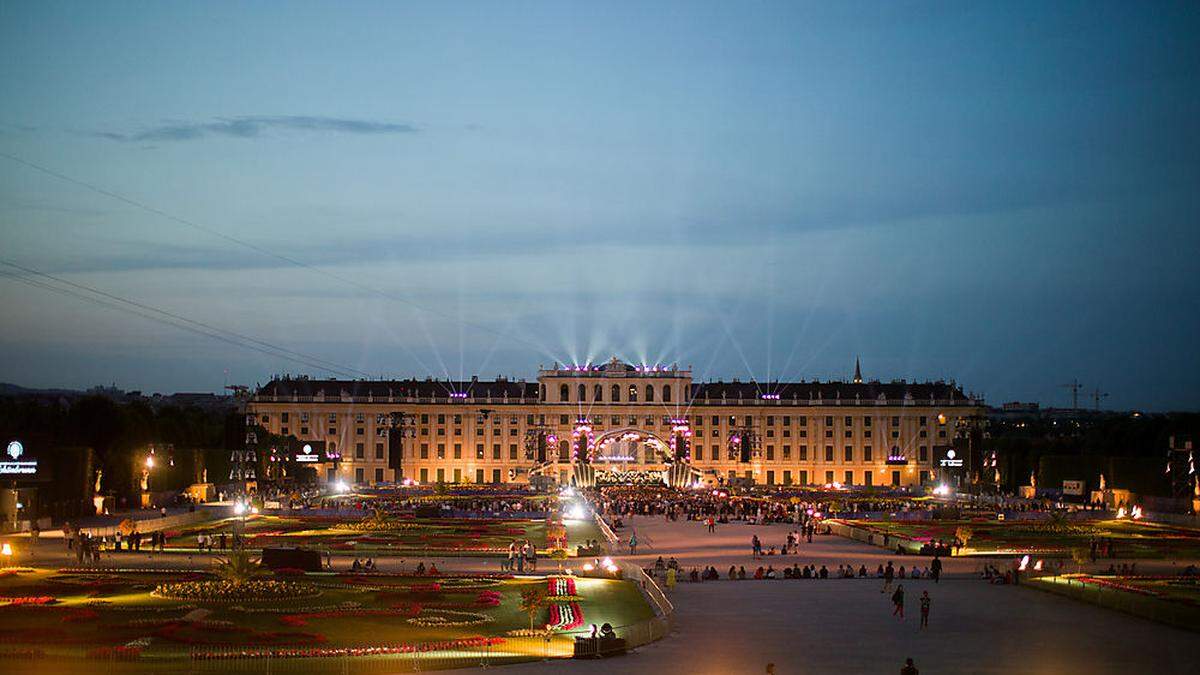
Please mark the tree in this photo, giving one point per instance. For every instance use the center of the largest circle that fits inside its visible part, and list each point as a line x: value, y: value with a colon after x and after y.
x: 239, y: 568
x: 533, y: 599
x: 1081, y: 556
x: 559, y: 554
x: 963, y: 534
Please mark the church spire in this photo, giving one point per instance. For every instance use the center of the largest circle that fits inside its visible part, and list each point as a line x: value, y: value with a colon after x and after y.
x: 857, y: 372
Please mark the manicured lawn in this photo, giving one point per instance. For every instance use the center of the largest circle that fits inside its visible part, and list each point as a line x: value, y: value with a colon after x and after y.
x: 1172, y: 600
x: 1128, y: 538
x: 58, y: 615
x: 406, y: 536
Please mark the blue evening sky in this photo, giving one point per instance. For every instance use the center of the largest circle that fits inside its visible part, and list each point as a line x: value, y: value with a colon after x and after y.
x: 1004, y: 194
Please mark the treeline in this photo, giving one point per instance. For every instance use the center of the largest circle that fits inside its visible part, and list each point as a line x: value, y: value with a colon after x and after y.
x: 120, y: 434
x: 1131, y: 450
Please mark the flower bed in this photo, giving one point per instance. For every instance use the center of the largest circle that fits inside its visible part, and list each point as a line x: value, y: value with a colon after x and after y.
x: 566, y: 616
x: 224, y: 591
x: 411, y: 648
x: 560, y: 586
x: 16, y: 601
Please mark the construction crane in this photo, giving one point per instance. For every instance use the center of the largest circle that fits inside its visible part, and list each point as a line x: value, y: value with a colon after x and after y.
x: 1096, y: 396
x: 1075, y: 388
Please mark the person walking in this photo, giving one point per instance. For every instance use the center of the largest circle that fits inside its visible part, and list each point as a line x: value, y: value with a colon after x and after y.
x: 898, y: 602
x: 936, y: 568
x: 924, y: 609
x: 889, y: 573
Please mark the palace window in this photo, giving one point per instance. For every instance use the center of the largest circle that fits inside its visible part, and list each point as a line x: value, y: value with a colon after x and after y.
x: 849, y: 453
x: 829, y: 453
x: 583, y: 392
x: 866, y: 453
x: 649, y: 393
x: 458, y: 451
x: 633, y: 393
x: 564, y: 392
x: 379, y: 451
x: 424, y: 451
x: 358, y: 451
x: 616, y: 393
x: 666, y: 397
x: 441, y: 451
x: 598, y: 392
x: 479, y: 451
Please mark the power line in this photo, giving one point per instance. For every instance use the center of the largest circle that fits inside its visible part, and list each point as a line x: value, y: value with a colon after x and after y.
x: 151, y: 313
x: 267, y: 252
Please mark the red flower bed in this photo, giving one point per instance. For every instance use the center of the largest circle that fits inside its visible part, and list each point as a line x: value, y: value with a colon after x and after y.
x: 566, y: 617
x: 80, y: 616
x: 174, y: 631
x: 16, y: 601
x: 414, y: 648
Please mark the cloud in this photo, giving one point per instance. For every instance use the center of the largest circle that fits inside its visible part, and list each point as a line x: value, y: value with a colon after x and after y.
x: 255, y: 126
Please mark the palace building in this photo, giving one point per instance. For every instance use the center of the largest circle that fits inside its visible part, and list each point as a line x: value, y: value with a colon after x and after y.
x: 610, y: 423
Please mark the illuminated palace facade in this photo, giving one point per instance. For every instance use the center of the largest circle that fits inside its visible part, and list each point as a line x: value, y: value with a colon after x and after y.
x: 611, y: 423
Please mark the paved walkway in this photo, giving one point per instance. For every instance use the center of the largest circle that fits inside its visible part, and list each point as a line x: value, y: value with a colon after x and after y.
x: 846, y: 626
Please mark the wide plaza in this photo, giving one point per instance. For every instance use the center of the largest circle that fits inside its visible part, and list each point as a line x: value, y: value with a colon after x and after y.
x: 166, y: 611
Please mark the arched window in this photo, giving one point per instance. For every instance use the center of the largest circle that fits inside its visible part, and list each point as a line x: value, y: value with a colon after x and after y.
x: 666, y: 393
x: 598, y: 392
x: 564, y: 392
x: 633, y: 393
x: 616, y: 393
x: 649, y: 393
x: 564, y: 451
x: 543, y: 392
x: 582, y: 392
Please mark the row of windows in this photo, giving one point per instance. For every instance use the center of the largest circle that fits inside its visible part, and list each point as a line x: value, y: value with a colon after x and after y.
x: 564, y: 393
x: 698, y: 420
x: 849, y: 477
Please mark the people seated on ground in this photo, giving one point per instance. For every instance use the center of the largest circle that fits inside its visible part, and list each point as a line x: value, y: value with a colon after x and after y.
x: 741, y: 572
x: 357, y: 566
x: 900, y: 574
x: 824, y: 572
x: 808, y: 572
x: 694, y: 575
x: 862, y: 572
x: 420, y: 571
x: 879, y: 572
x: 796, y: 570
x: 770, y: 572
x: 771, y: 551
x: 758, y: 573
x: 732, y: 572
x: 787, y: 572
x: 606, y: 632
x: 369, y: 566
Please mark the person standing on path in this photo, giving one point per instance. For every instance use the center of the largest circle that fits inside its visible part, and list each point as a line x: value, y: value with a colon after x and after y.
x: 755, y: 546
x: 936, y: 568
x: 633, y: 543
x: 924, y: 609
x: 889, y: 573
x: 898, y: 602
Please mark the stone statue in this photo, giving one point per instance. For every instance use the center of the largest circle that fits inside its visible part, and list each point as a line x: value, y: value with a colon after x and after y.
x: 204, y: 475
x: 99, y: 475
x: 145, y: 480
x: 1102, y: 483
x: 1033, y: 480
